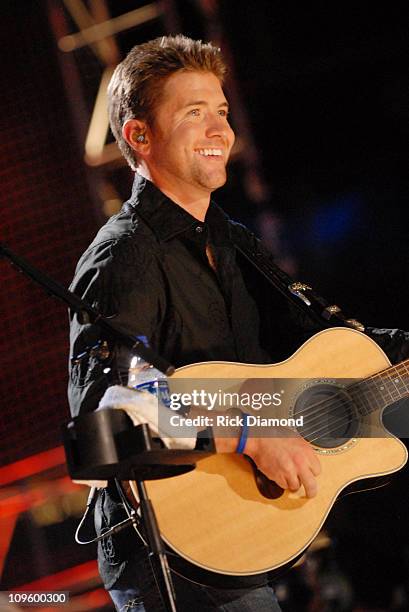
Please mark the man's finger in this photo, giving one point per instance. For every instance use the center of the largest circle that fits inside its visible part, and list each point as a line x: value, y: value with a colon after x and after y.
x: 293, y: 482
x: 309, y: 481
x: 315, y: 465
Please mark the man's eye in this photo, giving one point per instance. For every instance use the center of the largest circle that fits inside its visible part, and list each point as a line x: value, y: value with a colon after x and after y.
x: 223, y: 113
x: 195, y: 112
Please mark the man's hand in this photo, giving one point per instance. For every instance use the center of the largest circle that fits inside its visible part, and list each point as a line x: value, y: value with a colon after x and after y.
x: 290, y: 462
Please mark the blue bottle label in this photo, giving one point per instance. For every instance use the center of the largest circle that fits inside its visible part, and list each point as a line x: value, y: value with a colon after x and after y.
x: 159, y: 388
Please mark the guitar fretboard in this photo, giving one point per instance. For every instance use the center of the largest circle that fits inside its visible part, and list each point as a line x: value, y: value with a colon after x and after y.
x: 382, y: 389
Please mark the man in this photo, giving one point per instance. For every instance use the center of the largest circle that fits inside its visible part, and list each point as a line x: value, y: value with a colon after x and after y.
x: 166, y: 268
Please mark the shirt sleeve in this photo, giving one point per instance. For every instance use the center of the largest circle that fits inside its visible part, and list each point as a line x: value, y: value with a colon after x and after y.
x: 122, y: 281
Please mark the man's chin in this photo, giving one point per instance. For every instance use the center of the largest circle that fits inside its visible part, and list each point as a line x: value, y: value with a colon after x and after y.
x: 215, y: 182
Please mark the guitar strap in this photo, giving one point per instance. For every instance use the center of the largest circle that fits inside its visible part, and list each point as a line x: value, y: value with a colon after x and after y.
x: 301, y: 294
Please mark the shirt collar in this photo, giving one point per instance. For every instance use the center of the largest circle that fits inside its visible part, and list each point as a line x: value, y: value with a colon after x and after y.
x: 167, y: 219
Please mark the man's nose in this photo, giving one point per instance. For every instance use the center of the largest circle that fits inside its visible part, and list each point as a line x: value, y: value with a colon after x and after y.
x: 218, y: 126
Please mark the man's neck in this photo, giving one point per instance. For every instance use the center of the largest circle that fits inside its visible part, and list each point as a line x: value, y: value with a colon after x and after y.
x: 195, y: 203
x: 197, y: 207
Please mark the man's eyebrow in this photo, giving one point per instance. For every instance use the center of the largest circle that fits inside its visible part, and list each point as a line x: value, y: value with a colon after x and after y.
x: 204, y: 102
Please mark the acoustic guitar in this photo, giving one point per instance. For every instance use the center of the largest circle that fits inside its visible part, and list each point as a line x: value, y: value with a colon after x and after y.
x: 220, y: 519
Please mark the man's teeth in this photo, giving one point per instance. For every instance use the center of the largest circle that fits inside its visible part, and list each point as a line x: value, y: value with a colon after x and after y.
x: 210, y: 152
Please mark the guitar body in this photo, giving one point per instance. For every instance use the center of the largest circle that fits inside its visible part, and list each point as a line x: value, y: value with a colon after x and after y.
x: 217, y: 518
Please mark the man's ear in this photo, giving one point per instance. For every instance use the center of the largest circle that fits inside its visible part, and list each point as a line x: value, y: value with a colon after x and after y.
x: 134, y: 132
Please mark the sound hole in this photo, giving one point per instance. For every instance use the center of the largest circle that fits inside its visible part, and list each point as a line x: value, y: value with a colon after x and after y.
x: 329, y: 415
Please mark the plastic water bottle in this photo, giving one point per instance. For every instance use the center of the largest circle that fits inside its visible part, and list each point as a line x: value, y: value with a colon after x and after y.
x: 145, y: 377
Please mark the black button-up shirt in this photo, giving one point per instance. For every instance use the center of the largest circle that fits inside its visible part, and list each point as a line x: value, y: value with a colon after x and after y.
x: 148, y: 268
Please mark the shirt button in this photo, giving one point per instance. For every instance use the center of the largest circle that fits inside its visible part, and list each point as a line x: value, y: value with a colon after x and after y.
x: 199, y: 229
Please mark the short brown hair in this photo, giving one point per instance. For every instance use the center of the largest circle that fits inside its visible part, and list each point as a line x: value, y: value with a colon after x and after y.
x: 136, y: 86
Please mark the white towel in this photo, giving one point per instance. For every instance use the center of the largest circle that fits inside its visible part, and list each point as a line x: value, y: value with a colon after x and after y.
x: 143, y: 407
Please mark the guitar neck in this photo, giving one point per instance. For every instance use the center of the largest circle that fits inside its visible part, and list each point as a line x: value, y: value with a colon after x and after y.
x: 382, y: 389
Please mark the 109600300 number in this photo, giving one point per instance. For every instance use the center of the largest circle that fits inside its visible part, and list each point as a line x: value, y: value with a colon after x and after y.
x: 37, y: 598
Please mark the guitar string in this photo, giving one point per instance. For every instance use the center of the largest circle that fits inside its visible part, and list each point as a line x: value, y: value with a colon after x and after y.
x: 334, y: 406
x: 319, y: 407
x: 326, y: 429
x: 369, y: 384
x: 329, y: 426
x: 327, y: 402
x: 368, y: 387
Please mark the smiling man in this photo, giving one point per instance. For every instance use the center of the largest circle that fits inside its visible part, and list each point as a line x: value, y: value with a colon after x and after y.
x: 166, y: 267
x: 185, y: 151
